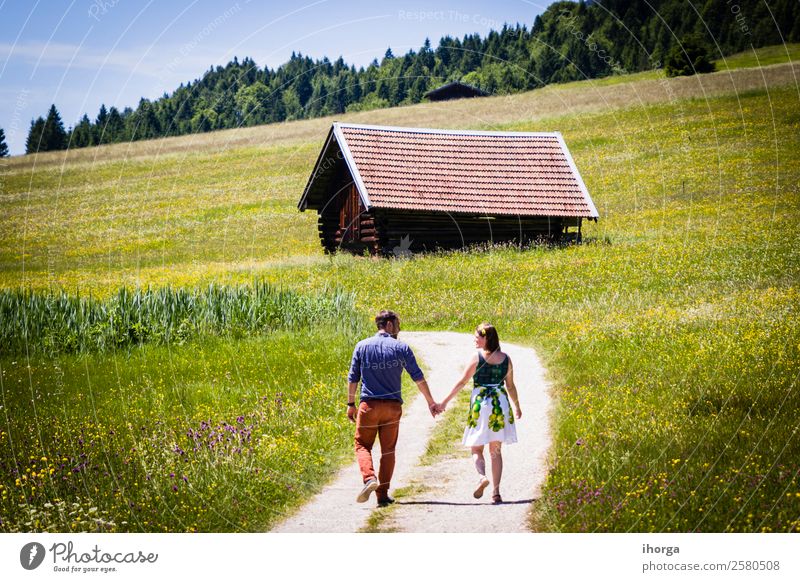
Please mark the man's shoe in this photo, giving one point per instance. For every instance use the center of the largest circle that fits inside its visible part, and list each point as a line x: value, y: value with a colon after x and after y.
x: 386, y: 501
x: 369, y: 487
x: 482, y: 484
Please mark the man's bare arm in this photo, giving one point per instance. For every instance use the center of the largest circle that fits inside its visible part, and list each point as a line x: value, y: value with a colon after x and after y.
x: 351, y: 397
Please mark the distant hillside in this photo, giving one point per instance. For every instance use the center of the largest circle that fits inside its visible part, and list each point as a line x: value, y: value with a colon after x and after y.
x: 569, y: 41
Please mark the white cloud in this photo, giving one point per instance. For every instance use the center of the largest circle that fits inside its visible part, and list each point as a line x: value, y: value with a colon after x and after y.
x: 149, y: 61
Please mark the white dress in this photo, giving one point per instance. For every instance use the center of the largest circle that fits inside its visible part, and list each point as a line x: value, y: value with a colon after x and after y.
x: 493, y: 420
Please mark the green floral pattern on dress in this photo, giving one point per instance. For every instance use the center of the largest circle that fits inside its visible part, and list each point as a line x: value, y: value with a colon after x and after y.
x: 490, y: 379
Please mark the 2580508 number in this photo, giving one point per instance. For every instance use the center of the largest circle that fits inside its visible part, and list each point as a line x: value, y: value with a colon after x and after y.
x: 756, y: 565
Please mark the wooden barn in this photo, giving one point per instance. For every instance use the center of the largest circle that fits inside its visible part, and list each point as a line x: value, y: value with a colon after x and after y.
x: 455, y: 90
x: 396, y: 190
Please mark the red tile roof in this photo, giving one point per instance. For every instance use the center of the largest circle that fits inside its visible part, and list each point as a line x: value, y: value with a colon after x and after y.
x: 464, y: 171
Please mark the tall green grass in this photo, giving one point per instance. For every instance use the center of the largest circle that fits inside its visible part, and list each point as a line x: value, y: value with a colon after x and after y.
x: 55, y: 321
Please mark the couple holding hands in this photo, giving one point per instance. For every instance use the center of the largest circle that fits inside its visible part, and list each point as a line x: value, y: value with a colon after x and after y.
x: 379, y: 361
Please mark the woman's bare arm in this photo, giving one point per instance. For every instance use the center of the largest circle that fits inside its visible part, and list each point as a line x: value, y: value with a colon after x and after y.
x: 469, y: 371
x: 512, y: 388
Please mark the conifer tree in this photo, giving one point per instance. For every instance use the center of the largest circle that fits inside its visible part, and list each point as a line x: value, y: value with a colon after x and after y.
x: 83, y: 134
x: 34, y: 141
x: 3, y: 145
x: 100, y: 130
x: 54, y: 136
x: 688, y: 57
x: 115, y: 128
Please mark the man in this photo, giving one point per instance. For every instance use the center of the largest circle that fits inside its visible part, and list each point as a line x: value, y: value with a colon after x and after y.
x: 378, y: 362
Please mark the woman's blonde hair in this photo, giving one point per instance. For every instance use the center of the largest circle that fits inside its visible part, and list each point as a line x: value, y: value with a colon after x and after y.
x: 488, y: 331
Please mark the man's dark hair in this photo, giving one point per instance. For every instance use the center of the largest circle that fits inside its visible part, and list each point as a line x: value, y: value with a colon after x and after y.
x: 385, y: 317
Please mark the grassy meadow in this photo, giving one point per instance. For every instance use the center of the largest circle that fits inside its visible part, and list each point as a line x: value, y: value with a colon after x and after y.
x: 671, y: 335
x: 193, y: 421
x: 762, y: 57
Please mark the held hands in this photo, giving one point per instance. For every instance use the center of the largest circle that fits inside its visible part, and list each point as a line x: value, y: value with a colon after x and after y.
x: 436, y: 408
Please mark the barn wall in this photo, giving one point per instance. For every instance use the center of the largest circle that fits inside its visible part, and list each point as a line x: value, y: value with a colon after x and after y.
x: 328, y: 222
x: 432, y: 230
x: 328, y: 215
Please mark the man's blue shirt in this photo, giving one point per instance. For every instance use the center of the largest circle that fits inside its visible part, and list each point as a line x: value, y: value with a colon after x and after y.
x: 379, y: 362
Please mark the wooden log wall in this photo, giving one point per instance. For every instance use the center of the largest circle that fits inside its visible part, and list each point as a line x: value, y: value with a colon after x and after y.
x: 332, y: 235
x: 328, y: 225
x: 382, y: 231
x: 432, y: 230
x: 369, y: 238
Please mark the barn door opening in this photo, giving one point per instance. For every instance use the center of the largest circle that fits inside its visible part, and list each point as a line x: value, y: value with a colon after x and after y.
x: 349, y: 214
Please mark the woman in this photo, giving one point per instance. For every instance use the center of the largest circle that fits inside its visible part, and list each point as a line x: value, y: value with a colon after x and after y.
x: 490, y: 420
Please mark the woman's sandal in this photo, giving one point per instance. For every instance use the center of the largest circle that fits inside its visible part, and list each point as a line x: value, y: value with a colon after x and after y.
x: 496, y: 498
x: 482, y: 484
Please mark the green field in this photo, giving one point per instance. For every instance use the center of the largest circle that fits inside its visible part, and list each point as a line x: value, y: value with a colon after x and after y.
x: 671, y: 335
x: 753, y: 58
x: 762, y: 57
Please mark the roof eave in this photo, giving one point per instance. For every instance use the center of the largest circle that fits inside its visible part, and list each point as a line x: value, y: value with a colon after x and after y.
x: 351, y: 164
x: 303, y: 203
x: 472, y: 212
x: 594, y: 214
x: 430, y: 130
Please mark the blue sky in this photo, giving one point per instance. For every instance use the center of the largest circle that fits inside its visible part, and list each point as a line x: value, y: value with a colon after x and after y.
x: 81, y: 53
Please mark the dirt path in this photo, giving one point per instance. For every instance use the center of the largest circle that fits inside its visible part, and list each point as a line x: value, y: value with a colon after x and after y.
x: 444, y: 502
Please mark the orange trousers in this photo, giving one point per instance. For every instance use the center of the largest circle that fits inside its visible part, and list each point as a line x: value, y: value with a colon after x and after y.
x: 379, y: 418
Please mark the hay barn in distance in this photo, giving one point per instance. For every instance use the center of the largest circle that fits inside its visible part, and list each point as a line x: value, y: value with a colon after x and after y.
x: 455, y: 90
x: 397, y: 190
